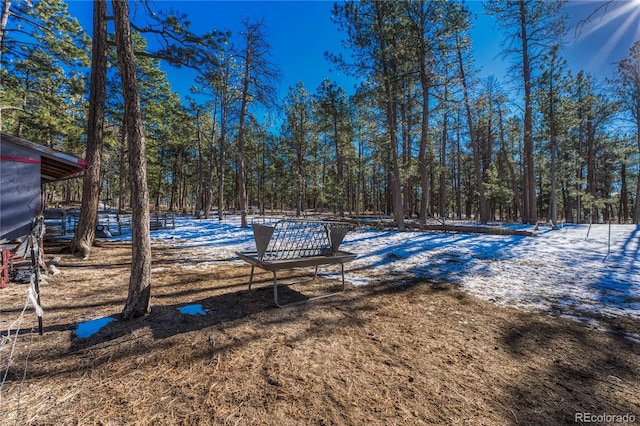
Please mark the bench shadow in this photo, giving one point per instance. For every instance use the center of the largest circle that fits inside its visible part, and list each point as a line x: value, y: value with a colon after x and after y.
x: 167, y: 320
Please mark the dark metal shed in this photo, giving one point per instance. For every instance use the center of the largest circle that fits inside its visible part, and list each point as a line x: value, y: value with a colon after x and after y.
x: 24, y: 167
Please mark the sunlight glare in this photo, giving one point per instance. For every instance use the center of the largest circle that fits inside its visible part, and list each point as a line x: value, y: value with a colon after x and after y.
x: 620, y: 19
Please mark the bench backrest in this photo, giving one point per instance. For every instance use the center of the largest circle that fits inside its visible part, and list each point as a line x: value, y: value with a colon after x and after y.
x: 296, y: 238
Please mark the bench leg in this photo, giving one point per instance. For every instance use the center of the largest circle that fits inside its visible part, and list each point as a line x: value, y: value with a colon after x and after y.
x: 275, y: 290
x: 251, y: 277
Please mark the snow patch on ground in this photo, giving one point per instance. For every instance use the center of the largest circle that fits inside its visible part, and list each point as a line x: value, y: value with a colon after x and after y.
x: 576, y: 270
x: 194, y: 309
x: 91, y: 327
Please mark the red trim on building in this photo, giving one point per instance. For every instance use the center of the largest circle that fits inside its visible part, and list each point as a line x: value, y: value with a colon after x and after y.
x: 20, y: 160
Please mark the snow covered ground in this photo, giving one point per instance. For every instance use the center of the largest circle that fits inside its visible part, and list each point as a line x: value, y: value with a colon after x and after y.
x: 570, y: 272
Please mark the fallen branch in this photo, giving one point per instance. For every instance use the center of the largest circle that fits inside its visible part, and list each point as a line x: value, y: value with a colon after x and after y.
x: 453, y: 228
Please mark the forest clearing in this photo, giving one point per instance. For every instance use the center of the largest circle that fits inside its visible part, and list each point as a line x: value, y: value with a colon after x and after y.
x: 425, y: 126
x: 394, y: 351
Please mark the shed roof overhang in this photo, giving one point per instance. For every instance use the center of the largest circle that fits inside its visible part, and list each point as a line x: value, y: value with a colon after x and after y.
x: 54, y: 165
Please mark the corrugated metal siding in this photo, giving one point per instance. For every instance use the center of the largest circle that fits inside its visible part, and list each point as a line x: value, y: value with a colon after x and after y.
x: 19, y: 190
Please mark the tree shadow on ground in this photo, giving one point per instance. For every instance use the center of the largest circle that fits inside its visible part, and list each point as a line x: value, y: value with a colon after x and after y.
x: 235, y: 305
x: 572, y: 369
x: 439, y: 337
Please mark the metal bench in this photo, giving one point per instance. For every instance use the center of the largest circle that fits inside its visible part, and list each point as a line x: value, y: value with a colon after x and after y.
x: 297, y: 243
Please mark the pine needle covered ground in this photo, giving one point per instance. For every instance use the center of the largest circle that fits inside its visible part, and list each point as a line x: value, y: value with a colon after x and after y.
x: 416, y: 353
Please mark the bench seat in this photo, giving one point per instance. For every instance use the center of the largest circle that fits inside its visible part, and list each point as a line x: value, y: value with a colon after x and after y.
x: 251, y: 257
x: 297, y: 243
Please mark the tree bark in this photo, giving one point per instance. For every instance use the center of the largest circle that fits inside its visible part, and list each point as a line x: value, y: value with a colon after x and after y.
x: 623, y: 213
x: 140, y: 280
x: 442, y: 190
x: 4, y: 18
x: 224, y: 104
x: 530, y: 213
x: 388, y: 71
x: 244, y: 101
x: 425, y: 185
x: 86, y: 229
x: 508, y: 159
x: 222, y: 161
x: 339, y: 162
x: 242, y: 185
x: 591, y: 168
x: 553, y: 203
x: 122, y: 191
x: 553, y: 198
x: 484, y: 212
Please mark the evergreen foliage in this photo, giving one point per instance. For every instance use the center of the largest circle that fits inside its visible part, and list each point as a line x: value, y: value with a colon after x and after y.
x: 420, y: 138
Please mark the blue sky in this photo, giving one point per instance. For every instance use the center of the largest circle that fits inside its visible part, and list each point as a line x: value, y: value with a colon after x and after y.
x: 301, y: 31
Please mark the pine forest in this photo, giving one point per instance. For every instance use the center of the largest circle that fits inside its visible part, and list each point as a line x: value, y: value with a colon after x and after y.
x: 420, y: 137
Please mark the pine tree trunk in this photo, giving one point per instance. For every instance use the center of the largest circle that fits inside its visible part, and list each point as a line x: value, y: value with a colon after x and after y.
x: 396, y: 189
x: 553, y: 203
x: 242, y: 185
x: 405, y: 129
x: 140, y: 280
x: 339, y: 165
x: 86, y: 229
x: 442, y: 191
x: 530, y: 208
x: 221, y: 165
x: 458, y: 177
x: 389, y: 72
x: 425, y: 185
x: 591, y: 170
x: 4, y: 18
x: 484, y: 212
x: 123, y: 173
x: 623, y: 214
x: 202, y: 186
x: 512, y: 172
x: 208, y: 204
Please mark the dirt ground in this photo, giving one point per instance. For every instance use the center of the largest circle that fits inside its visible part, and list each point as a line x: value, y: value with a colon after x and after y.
x: 388, y: 354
